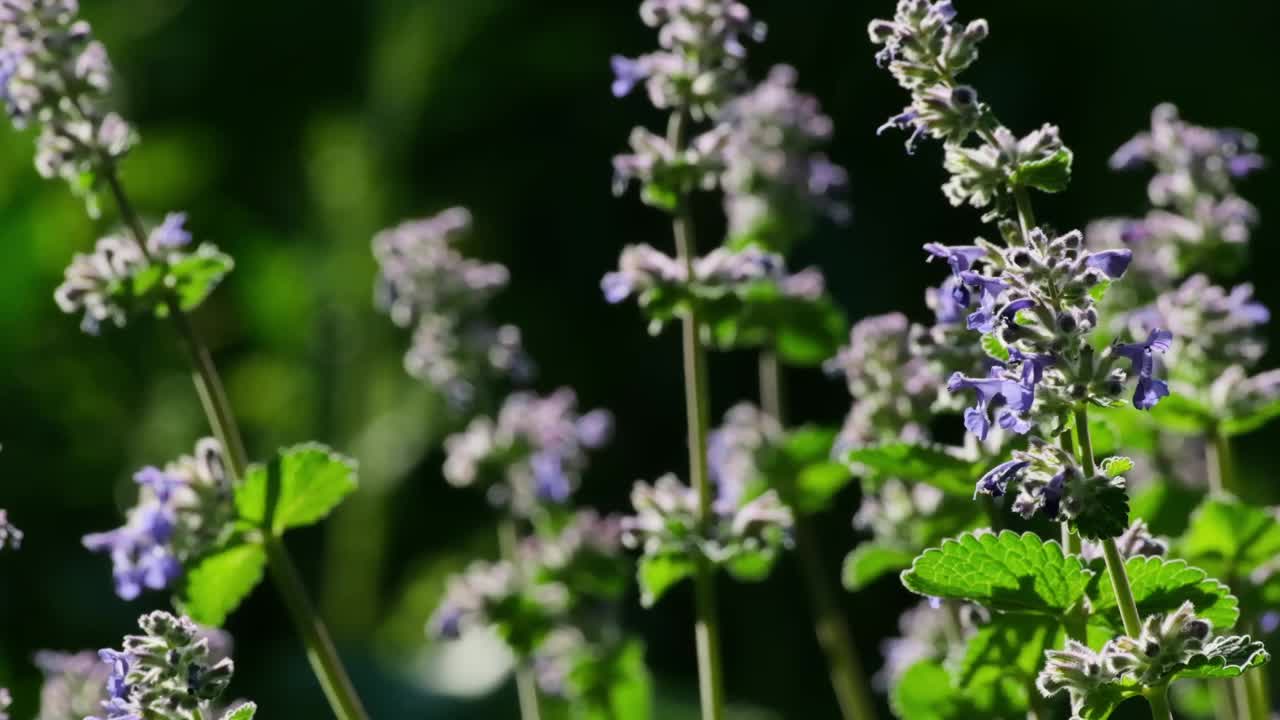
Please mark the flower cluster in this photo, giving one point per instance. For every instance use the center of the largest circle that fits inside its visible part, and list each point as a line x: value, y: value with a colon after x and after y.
x: 1198, y: 220
x: 1047, y: 479
x: 10, y: 535
x: 721, y: 272
x: 927, y: 633
x: 700, y: 63
x: 120, y: 278
x: 55, y: 75
x: 732, y: 452
x: 776, y: 179
x: 667, y: 522
x: 426, y: 283
x: 5, y: 701
x: 496, y: 595
x: 75, y: 684
x: 1165, y: 645
x: 894, y: 390
x: 182, y: 512
x: 532, y: 456
x: 168, y: 671
x: 666, y: 172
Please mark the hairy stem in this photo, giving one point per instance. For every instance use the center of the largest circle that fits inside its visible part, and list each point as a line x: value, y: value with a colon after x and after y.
x: 1158, y: 696
x: 697, y: 412
x: 325, y: 663
x: 848, y: 679
x: 526, y: 681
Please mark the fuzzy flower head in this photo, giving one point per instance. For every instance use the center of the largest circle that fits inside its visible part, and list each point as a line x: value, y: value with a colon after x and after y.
x: 182, y: 511
x: 497, y: 597
x: 889, y: 511
x: 776, y: 179
x: 664, y: 172
x: 165, y: 672
x: 532, y: 456
x: 425, y: 282
x: 732, y: 452
x: 121, y: 279
x: 700, y: 61
x: 1076, y: 669
x: 586, y: 556
x: 75, y: 684
x: 1046, y: 479
x: 666, y: 521
x: 1165, y: 643
x: 10, y: 535
x: 893, y: 389
x: 54, y: 75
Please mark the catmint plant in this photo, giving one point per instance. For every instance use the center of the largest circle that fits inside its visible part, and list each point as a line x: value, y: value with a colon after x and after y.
x: 213, y: 522
x: 75, y: 684
x: 166, y: 672
x: 1034, y: 297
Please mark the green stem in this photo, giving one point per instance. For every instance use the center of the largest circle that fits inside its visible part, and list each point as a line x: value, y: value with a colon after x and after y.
x: 1224, y: 706
x: 325, y: 663
x: 1256, y: 692
x: 848, y: 678
x: 697, y: 412
x: 1218, y: 463
x: 1158, y: 696
x: 526, y: 680
x: 1026, y: 217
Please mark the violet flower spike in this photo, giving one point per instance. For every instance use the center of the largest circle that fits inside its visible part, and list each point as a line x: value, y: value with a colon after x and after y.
x: 1011, y: 397
x: 1141, y: 357
x: 996, y: 481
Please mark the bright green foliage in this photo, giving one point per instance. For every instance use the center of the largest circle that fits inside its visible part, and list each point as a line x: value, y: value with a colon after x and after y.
x: 1160, y: 586
x: 803, y: 331
x: 193, y: 277
x: 993, y: 346
x: 934, y: 464
x: 610, y: 685
x: 1051, y: 174
x: 300, y: 486
x: 1002, y: 659
x: 1224, y: 657
x: 1114, y: 467
x: 925, y: 692
x: 658, y: 573
x: 219, y: 582
x: 1230, y: 537
x: 869, y: 561
x: 800, y: 468
x: 241, y: 712
x: 1006, y: 573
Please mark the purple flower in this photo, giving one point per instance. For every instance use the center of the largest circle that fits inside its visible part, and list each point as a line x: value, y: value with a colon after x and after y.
x: 1241, y: 165
x: 1033, y: 366
x: 1052, y: 494
x: 1141, y: 358
x: 627, y: 73
x: 946, y: 307
x: 161, y: 483
x: 139, y: 552
x: 1010, y: 398
x: 960, y: 258
x: 1111, y: 263
x: 170, y: 234
x: 616, y: 286
x: 996, y: 482
x: 989, y: 290
x: 909, y: 120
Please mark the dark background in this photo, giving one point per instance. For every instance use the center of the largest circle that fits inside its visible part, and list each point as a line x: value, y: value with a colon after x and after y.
x: 292, y: 131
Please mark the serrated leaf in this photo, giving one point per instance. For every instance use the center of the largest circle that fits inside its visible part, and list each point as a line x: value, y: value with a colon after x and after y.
x: 218, y: 583
x: 1006, y: 572
x: 244, y: 711
x: 932, y: 464
x: 1103, y: 507
x: 1002, y: 659
x: 870, y: 561
x: 1251, y: 421
x: 1051, y: 174
x: 993, y: 346
x: 1114, y: 467
x: 302, y: 485
x: 1230, y: 537
x: 1225, y: 657
x: 656, y: 574
x: 1159, y: 587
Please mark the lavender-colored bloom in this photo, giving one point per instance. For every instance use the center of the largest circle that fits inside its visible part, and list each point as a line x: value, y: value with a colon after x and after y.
x: 1111, y: 263
x: 75, y: 684
x: 732, y: 452
x: 996, y: 481
x: 627, y: 73
x: 10, y: 535
x: 989, y: 291
x: 181, y: 511
x: 1051, y: 499
x: 170, y: 234
x: 1142, y: 363
x: 960, y: 258
x: 893, y: 389
x: 1011, y: 401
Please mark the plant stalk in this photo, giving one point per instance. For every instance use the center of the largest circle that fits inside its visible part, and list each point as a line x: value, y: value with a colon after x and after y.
x: 1159, y: 698
x: 526, y: 680
x: 697, y: 411
x: 1217, y: 451
x: 321, y: 654
x: 848, y: 679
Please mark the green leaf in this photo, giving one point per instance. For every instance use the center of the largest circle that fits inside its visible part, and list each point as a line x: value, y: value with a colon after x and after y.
x: 1159, y: 587
x: 817, y: 484
x: 1225, y: 656
x: 932, y: 464
x: 752, y: 564
x: 302, y: 485
x: 1252, y: 421
x: 1181, y: 414
x: 1051, y: 174
x: 608, y: 682
x: 1006, y: 572
x: 193, y: 277
x: 800, y: 468
x: 1231, y: 538
x: 219, y: 582
x: 656, y: 575
x: 243, y: 711
x: 925, y: 692
x: 1103, y: 507
x: 993, y: 346
x: 1114, y: 467
x: 870, y: 561
x: 1098, y: 291
x: 1002, y: 659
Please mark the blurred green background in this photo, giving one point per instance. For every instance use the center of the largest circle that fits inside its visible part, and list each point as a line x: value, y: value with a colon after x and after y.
x: 292, y: 131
